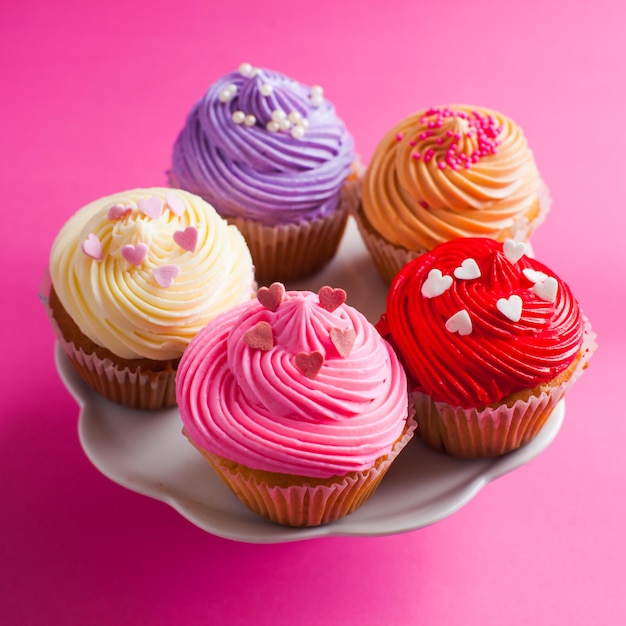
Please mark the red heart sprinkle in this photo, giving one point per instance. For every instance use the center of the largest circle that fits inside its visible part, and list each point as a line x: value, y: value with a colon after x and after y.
x: 260, y: 337
x: 187, y: 239
x: 309, y: 364
x: 330, y: 298
x: 343, y: 339
x: 271, y: 297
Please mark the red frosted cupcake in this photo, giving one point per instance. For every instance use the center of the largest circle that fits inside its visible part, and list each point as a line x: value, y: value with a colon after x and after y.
x: 491, y: 340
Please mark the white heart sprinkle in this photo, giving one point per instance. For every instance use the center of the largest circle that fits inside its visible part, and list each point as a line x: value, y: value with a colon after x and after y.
x: 460, y: 323
x: 514, y: 250
x: 511, y: 307
x: 435, y: 284
x: 547, y: 289
x: 534, y: 276
x: 469, y: 269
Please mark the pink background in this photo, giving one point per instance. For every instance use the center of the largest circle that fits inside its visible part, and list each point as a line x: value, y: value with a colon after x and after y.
x: 93, y: 97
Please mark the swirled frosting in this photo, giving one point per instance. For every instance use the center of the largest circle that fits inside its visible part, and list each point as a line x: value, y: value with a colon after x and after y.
x: 324, y: 396
x: 261, y: 146
x: 450, y: 172
x: 475, y: 320
x: 141, y: 272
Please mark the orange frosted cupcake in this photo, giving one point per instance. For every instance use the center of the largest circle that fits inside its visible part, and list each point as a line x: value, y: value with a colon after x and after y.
x: 297, y: 403
x: 448, y: 172
x: 491, y: 340
x: 134, y: 276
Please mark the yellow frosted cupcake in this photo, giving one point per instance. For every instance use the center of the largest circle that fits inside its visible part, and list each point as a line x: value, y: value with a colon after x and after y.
x: 134, y: 276
x: 444, y: 173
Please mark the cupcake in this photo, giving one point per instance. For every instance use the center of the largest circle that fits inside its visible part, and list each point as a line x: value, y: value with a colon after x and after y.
x: 491, y: 340
x: 296, y: 402
x: 134, y: 276
x: 444, y: 173
x: 273, y: 158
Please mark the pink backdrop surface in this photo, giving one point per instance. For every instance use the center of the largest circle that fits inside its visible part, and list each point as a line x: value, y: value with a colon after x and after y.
x: 93, y: 97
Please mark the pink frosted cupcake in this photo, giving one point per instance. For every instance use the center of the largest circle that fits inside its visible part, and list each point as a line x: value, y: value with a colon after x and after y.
x: 297, y: 403
x: 491, y: 340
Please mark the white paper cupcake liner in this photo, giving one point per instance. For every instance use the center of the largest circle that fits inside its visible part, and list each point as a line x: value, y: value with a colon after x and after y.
x: 473, y: 433
x: 302, y: 505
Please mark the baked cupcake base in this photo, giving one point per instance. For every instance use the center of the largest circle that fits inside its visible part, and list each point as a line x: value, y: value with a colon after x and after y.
x: 496, y: 429
x: 135, y: 383
x: 300, y: 501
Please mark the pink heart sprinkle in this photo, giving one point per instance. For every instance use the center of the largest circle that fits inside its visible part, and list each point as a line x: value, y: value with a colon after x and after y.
x: 309, y: 364
x: 271, y: 297
x: 135, y: 254
x: 119, y: 211
x: 187, y: 239
x: 260, y: 337
x: 330, y: 298
x: 176, y: 204
x: 92, y: 247
x: 165, y: 275
x: 343, y: 340
x: 151, y: 207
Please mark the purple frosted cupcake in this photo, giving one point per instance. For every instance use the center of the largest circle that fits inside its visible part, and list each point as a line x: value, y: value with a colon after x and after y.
x: 273, y: 158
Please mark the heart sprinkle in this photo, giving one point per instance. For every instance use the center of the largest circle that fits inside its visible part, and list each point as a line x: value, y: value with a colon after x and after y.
x: 511, y: 307
x: 165, y: 275
x: 187, y: 239
x: 514, y: 250
x: 343, y: 340
x: 436, y: 284
x: 176, y: 204
x: 534, y: 276
x: 260, y: 337
x: 331, y: 299
x: 92, y: 247
x: 547, y: 289
x: 309, y: 363
x: 135, y: 254
x: 119, y: 211
x: 151, y: 207
x: 460, y: 323
x: 271, y: 297
x: 469, y: 269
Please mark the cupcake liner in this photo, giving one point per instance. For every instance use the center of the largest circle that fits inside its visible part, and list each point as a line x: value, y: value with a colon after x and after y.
x: 389, y: 259
x: 472, y: 433
x: 291, y: 251
x: 136, y: 389
x: 307, y: 502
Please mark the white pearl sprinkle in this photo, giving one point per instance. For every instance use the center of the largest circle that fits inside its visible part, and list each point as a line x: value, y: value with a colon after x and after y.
x: 239, y: 117
x: 249, y: 120
x: 294, y: 117
x: 266, y: 89
x: 317, y: 90
x: 272, y: 126
x: 297, y: 132
x: 245, y: 69
x: 225, y: 95
x: 304, y: 123
x: 284, y: 124
x: 316, y: 101
x: 278, y: 115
